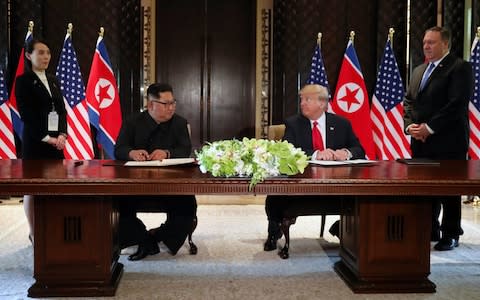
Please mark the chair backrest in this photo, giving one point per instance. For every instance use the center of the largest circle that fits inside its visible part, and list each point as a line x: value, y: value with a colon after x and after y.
x: 276, y: 132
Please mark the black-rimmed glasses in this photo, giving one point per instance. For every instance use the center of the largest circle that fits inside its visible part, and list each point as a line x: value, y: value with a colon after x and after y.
x: 166, y: 103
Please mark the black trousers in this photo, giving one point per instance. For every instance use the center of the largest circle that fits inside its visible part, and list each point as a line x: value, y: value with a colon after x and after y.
x: 452, y: 215
x: 180, y: 210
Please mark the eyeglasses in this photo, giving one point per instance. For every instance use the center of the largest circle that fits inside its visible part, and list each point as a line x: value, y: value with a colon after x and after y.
x: 169, y: 103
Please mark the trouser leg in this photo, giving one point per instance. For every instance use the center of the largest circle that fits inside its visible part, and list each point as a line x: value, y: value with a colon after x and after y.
x: 452, y: 215
x: 181, y: 211
x: 274, y: 208
x: 132, y: 230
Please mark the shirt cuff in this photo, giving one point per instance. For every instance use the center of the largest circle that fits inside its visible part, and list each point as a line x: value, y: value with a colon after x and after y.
x: 429, y: 129
x: 46, y: 138
x: 406, y: 129
x: 349, y: 153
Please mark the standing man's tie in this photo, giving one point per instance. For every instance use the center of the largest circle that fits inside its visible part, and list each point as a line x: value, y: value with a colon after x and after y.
x: 317, y: 138
x: 426, y: 75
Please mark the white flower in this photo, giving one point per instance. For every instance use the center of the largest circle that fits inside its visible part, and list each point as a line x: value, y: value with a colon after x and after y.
x: 257, y: 159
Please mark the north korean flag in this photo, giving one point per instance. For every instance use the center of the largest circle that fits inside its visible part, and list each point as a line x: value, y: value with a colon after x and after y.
x: 351, y: 100
x: 103, y: 101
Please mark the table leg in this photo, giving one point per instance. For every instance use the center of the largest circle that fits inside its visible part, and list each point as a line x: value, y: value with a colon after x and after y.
x: 385, y: 245
x: 75, y: 247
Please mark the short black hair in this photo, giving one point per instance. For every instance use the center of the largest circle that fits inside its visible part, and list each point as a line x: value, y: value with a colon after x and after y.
x: 29, y: 47
x: 157, y: 88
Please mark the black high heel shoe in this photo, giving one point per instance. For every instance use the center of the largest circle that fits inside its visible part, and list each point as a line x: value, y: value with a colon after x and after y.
x: 147, y: 247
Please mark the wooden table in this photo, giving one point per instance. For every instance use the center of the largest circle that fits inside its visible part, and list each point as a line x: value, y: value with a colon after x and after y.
x: 385, y: 232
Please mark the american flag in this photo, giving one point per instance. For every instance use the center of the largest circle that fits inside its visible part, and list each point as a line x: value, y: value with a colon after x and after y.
x: 474, y: 105
x: 387, y: 110
x: 12, y: 101
x: 79, y: 142
x: 318, y: 74
x: 103, y: 100
x: 7, y: 140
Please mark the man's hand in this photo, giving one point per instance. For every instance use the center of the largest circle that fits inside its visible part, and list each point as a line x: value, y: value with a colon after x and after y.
x: 158, y: 154
x: 138, y: 155
x: 419, y: 131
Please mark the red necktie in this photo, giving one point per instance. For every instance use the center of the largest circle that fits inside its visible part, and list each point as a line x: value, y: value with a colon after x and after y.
x: 316, y: 138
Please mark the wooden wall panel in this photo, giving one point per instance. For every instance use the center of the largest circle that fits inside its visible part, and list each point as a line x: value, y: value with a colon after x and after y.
x: 210, y: 63
x: 453, y: 19
x: 423, y: 15
x: 392, y: 13
x: 3, y: 35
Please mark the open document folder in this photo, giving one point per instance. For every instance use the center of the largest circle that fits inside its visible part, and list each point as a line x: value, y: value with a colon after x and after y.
x: 341, y: 162
x: 160, y: 163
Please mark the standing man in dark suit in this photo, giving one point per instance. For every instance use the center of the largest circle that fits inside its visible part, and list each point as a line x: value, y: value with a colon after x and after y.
x: 310, y: 131
x: 155, y: 134
x: 436, y: 116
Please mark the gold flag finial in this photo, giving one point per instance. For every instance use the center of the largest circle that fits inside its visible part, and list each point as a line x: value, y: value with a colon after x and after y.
x: 319, y: 40
x: 30, y: 26
x: 391, y: 31
x: 101, y: 32
x: 352, y: 35
x: 69, y: 28
x: 478, y: 32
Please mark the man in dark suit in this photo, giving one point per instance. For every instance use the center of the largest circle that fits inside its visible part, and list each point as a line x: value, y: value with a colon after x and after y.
x: 310, y: 131
x: 155, y: 134
x: 436, y: 116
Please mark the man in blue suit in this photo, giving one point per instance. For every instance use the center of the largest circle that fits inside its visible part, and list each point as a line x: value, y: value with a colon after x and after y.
x: 436, y: 116
x: 335, y: 140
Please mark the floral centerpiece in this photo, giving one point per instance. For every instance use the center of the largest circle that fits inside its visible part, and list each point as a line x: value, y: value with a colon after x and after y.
x: 255, y: 158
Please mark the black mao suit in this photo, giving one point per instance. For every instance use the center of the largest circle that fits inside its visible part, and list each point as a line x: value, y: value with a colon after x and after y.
x: 142, y: 132
x: 298, y: 131
x: 34, y: 104
x: 443, y: 105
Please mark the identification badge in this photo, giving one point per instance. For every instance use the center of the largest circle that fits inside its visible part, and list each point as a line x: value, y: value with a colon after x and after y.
x: 52, y: 121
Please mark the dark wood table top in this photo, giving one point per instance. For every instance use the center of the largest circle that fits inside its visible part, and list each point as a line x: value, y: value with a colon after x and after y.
x: 104, y: 177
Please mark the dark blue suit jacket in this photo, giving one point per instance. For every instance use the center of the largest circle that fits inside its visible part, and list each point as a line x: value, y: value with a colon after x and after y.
x: 443, y: 105
x: 339, y: 134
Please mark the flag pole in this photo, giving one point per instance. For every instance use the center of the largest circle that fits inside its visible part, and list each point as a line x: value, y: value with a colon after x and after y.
x: 319, y: 40
x: 391, y: 31
x: 352, y: 36
x: 478, y: 32
x: 69, y: 29
x: 30, y: 26
x: 101, y: 32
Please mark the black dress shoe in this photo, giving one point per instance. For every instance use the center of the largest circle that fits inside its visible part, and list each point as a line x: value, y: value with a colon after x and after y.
x: 335, y: 229
x: 147, y: 247
x: 446, y: 244
x: 271, y: 242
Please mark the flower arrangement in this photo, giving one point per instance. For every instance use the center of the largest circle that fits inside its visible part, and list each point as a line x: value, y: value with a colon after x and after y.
x: 255, y: 158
